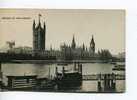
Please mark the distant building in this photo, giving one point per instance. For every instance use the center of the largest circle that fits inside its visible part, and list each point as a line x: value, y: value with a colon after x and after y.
x: 39, y: 36
x: 121, y: 55
x: 77, y: 52
x: 21, y: 50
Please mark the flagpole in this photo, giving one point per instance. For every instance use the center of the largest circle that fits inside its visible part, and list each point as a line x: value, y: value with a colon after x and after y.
x: 39, y: 17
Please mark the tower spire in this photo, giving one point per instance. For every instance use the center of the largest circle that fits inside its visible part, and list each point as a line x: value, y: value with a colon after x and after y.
x: 73, y: 45
x: 92, y: 40
x: 39, y: 17
x: 83, y: 47
x: 33, y: 24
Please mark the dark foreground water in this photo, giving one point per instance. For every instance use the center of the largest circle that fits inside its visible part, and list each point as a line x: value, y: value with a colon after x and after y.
x: 46, y: 70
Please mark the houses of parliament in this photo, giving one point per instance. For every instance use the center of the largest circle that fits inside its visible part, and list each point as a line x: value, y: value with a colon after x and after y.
x: 66, y: 51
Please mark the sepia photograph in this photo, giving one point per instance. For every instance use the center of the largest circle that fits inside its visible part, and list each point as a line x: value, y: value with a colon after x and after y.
x: 62, y: 50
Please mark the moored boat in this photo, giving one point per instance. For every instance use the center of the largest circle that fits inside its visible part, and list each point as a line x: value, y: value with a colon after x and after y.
x: 28, y: 82
x: 119, y: 67
x: 69, y: 79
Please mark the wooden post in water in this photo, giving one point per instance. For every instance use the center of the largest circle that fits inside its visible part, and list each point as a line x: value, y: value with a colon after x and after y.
x: 0, y: 71
x: 63, y: 71
x: 109, y: 85
x: 56, y: 71
x: 109, y: 82
x: 49, y: 73
x: 0, y: 76
x: 75, y: 66
x: 105, y: 81
x: 99, y: 83
x: 80, y: 69
x: 113, y: 82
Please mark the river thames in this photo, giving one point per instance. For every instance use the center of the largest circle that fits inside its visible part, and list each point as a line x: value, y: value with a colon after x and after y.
x: 48, y: 70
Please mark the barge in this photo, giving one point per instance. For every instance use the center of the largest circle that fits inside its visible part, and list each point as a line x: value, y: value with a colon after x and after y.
x: 22, y: 82
x: 119, y: 67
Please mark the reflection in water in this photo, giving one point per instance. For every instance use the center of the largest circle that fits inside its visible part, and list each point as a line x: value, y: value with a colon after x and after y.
x: 44, y: 70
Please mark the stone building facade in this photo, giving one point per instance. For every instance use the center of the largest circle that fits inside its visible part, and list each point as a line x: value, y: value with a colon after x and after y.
x: 39, y: 36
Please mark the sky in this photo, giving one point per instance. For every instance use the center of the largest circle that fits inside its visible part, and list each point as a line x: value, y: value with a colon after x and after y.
x: 107, y: 27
